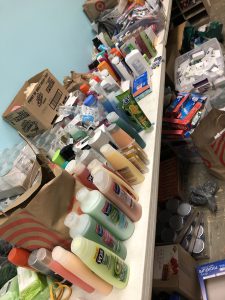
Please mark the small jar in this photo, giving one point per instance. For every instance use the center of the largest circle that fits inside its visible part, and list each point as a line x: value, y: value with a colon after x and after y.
x: 176, y: 223
x: 200, y: 232
x: 185, y: 243
x: 198, y: 247
x: 172, y: 205
x: 184, y: 210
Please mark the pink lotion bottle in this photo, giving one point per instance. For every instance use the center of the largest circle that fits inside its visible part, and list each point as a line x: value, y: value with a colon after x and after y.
x: 81, y: 172
x: 118, y: 195
x: 44, y: 257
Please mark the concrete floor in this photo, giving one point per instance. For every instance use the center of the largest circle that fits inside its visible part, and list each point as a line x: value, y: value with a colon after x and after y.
x: 196, y: 174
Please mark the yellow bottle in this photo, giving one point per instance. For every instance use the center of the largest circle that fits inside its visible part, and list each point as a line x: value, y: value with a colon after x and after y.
x: 122, y: 165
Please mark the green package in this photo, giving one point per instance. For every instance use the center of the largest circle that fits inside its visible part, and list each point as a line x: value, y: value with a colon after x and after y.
x: 130, y: 105
x: 10, y: 291
x: 30, y: 284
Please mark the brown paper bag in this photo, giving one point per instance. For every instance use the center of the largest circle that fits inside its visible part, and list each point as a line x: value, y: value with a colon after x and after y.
x: 209, y: 139
x: 93, y: 8
x: 38, y: 220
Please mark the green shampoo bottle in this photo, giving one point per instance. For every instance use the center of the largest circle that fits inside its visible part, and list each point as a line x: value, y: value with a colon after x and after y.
x: 104, y: 212
x: 87, y: 227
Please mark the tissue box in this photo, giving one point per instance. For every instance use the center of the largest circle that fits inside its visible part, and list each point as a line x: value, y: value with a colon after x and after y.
x: 211, y: 278
x: 35, y: 114
x: 174, y: 271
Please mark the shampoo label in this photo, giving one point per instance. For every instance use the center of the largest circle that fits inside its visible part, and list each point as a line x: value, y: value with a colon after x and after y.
x: 114, y: 264
x: 124, y: 196
x: 116, y: 216
x: 107, y: 238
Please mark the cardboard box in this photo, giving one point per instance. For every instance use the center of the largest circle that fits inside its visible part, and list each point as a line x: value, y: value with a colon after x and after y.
x: 174, y: 271
x: 173, y: 49
x: 35, y: 114
x: 211, y: 278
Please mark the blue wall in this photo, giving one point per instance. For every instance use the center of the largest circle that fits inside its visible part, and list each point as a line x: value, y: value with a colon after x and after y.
x: 39, y: 34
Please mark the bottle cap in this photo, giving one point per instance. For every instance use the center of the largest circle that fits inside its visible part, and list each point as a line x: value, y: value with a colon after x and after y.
x: 102, y: 180
x: 93, y: 65
x: 44, y: 256
x: 176, y: 222
x: 79, y: 246
x: 96, y: 42
x: 84, y: 88
x: 106, y: 149
x: 70, y: 167
x: 112, y: 117
x: 113, y: 128
x: 36, y: 264
x: 79, y: 168
x: 58, y: 252
x: 90, y: 100
x: 115, y: 60
x: 82, y: 194
x: 57, y: 158
x: 96, y: 78
x: 71, y: 220
x: 67, y: 152
x: 19, y: 257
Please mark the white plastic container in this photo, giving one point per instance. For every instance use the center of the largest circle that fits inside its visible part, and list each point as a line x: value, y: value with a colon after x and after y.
x: 137, y: 63
x: 183, y: 62
x: 122, y: 69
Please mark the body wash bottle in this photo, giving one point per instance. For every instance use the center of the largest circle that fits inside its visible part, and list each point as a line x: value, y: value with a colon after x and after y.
x: 122, y: 165
x: 96, y: 165
x: 117, y: 194
x: 102, y: 261
x: 87, y: 227
x: 103, y: 211
x: 115, y: 119
x: 75, y: 266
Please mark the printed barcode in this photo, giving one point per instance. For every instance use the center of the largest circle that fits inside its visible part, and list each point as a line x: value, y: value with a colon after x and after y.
x: 56, y: 99
x: 127, y: 174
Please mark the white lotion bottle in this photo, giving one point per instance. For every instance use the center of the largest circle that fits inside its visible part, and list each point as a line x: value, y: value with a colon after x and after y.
x: 137, y: 63
x: 121, y: 68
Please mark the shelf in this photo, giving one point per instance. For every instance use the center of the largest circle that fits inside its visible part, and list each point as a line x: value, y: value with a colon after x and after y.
x: 190, y: 7
x: 140, y: 247
x: 195, y: 13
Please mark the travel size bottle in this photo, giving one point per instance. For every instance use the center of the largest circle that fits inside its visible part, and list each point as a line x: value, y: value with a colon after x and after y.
x: 102, y: 262
x: 87, y: 227
x: 103, y: 211
x: 122, y: 165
